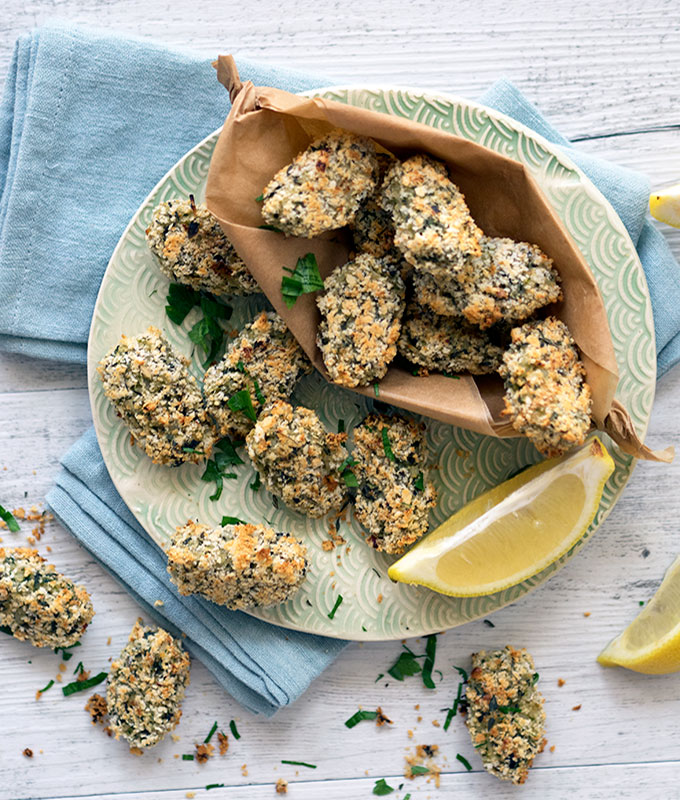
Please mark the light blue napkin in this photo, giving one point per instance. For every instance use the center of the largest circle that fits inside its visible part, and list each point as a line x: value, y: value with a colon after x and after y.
x: 260, y: 665
x: 88, y: 124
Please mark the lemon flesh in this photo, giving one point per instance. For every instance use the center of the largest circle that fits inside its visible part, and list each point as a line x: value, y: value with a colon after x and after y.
x: 513, y: 531
x: 651, y: 643
x: 665, y: 205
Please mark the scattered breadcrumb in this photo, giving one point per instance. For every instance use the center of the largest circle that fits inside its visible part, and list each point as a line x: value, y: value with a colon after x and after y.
x: 190, y: 795
x: 28, y: 752
x: 96, y: 706
x: 158, y: 603
x: 244, y: 770
x: 576, y: 708
x: 423, y: 757
x: 136, y: 751
x: 282, y: 786
x: 222, y: 742
x: 204, y: 752
x: 561, y: 681
x: 586, y: 613
x: 552, y: 748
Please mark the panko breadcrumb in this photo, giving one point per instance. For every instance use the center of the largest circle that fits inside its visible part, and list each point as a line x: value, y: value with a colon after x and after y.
x: 394, y: 498
x: 238, y: 566
x: 192, y: 249
x: 505, y: 716
x: 546, y: 396
x: 509, y: 281
x: 151, y: 389
x: 361, y: 310
x: 38, y: 604
x: 146, y: 686
x: 324, y: 186
x: 433, y: 226
x: 265, y: 359
x: 298, y: 460
x: 446, y: 344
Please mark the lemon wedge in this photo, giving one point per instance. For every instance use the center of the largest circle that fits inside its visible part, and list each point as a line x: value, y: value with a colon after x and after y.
x: 512, y: 531
x: 651, y: 643
x: 665, y: 205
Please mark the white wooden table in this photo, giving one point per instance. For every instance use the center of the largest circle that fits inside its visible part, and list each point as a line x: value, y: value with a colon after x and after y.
x: 606, y: 74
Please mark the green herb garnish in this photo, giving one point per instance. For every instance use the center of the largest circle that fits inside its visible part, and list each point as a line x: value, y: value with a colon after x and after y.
x: 259, y: 198
x: 66, y: 653
x: 428, y: 664
x: 270, y: 228
x: 463, y: 674
x: 255, y: 485
x: 534, y: 679
x: 224, y: 456
x: 464, y: 762
x: 382, y: 675
x: 489, y: 623
x: 360, y: 716
x: 234, y: 730
x: 193, y: 450
x: 509, y: 709
x: 341, y: 426
x: 49, y: 686
x: 417, y: 769
x: 261, y: 399
x: 211, y: 734
x: 232, y: 521
x: 419, y: 482
x: 81, y: 686
x: 180, y: 300
x: 449, y: 375
x: 335, y: 607
x: 299, y: 764
x: 79, y: 669
x: 376, y: 390
x: 187, y: 757
x: 213, y: 786
x: 405, y: 666
x: 387, y: 447
x: 240, y: 366
x: 382, y: 787
x: 305, y: 278
x: 242, y: 401
x: 9, y: 519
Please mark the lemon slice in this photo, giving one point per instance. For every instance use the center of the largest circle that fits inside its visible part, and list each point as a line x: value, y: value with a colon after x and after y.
x: 512, y: 531
x: 665, y: 205
x: 651, y: 643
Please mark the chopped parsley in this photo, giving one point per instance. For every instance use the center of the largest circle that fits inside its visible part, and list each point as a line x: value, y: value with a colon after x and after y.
x: 419, y: 482
x: 81, y: 686
x: 360, y: 716
x: 382, y: 674
x: 299, y: 764
x: 240, y: 366
x: 180, y: 300
x: 270, y: 228
x: 534, y: 679
x: 259, y: 198
x: 66, y: 653
x: 489, y: 623
x: 242, y: 401
x: 187, y: 756
x: 224, y: 456
x: 211, y: 734
x: 376, y: 390
x: 428, y: 664
x: 79, y: 669
x: 346, y: 472
x: 417, y: 769
x: 509, y: 709
x: 234, y: 729
x: 8, y: 518
x: 304, y: 279
x: 331, y: 614
x: 232, y: 521
x: 255, y: 485
x: 405, y: 666
x: 464, y: 762
x: 387, y: 446
x: 213, y: 786
x: 382, y: 787
x: 49, y: 686
x: 341, y: 426
x: 463, y: 673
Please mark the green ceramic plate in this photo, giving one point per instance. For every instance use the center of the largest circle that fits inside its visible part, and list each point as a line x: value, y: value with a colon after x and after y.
x: 132, y: 296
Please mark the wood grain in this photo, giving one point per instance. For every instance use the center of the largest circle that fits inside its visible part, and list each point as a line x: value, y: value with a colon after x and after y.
x: 605, y: 73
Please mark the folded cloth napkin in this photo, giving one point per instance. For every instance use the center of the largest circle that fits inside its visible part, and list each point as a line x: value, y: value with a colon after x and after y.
x: 88, y: 124
x: 260, y: 665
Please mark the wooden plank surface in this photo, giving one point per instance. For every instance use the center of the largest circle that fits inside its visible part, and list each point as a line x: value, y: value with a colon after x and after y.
x: 606, y: 73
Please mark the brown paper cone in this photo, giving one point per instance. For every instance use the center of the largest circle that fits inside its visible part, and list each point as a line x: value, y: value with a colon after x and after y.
x: 268, y: 127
